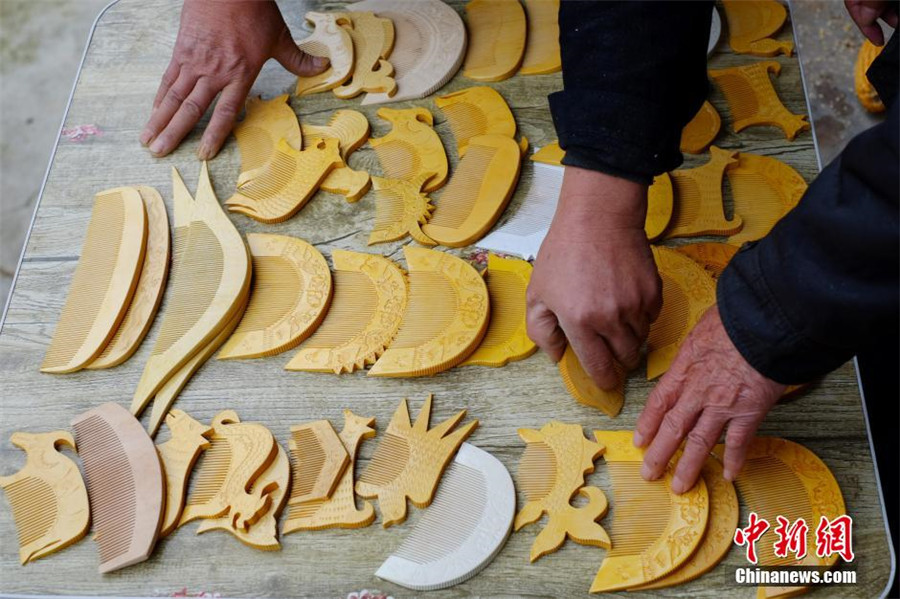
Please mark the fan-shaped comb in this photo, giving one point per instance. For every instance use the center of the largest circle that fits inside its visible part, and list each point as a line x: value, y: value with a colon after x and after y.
x: 338, y: 510
x: 698, y: 207
x: 178, y: 455
x: 409, y: 461
x: 125, y: 484
x: 753, y: 100
x: 477, y: 193
x: 412, y: 148
x: 542, y: 50
x: 506, y: 339
x: 373, y: 40
x: 764, y: 190
x: 445, y: 320
x: 497, y: 33
x: 549, y: 154
x: 265, y: 123
x: 290, y: 296
x: 351, y: 129
x: 149, y: 291
x: 475, y: 111
x: 660, y: 207
x: 332, y: 41
x: 370, y: 298
x: 47, y: 495
x: 551, y: 471
x: 104, y: 281
x: 653, y: 531
x: 865, y: 91
x: 713, y: 257
x: 462, y: 530
x: 783, y: 478
x: 581, y: 386
x: 701, y: 130
x: 751, y: 23
x: 687, y: 292
x: 319, y: 460
x: 400, y: 210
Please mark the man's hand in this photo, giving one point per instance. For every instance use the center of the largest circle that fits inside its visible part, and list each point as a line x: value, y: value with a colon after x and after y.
x: 595, y: 284
x: 708, y: 386
x: 221, y: 47
x: 865, y: 13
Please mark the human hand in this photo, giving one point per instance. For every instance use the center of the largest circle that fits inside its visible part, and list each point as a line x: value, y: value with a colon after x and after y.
x: 709, y: 385
x: 865, y: 13
x: 221, y: 47
x: 595, y: 285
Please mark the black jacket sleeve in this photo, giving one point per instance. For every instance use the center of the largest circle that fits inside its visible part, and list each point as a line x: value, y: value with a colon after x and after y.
x: 634, y: 74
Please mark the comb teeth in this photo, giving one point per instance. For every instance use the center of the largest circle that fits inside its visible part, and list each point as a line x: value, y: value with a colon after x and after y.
x: 266, y: 122
x: 33, y: 506
x: 212, y: 469
x: 456, y: 203
x: 466, y: 121
x: 308, y: 458
x: 673, y: 321
x: 643, y: 509
x: 698, y: 209
x: 390, y: 458
x: 399, y: 159
x: 581, y: 386
x: 433, y: 304
x: 280, y: 171
x: 497, y: 32
x: 537, y: 471
x: 764, y: 190
x: 352, y: 307
x: 275, y: 278
x: 413, y: 42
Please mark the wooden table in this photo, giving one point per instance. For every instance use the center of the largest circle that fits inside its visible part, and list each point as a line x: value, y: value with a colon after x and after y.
x: 129, y: 50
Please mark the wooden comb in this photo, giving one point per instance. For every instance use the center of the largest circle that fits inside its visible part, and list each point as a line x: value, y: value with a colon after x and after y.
x: 477, y: 193
x: 698, y: 207
x: 549, y: 154
x: 654, y: 531
x: 551, y: 472
x: 542, y: 54
x: 265, y: 123
x: 178, y: 455
x: 462, y: 530
x: 751, y: 23
x: 764, y: 190
x: 660, y: 207
x: 149, y: 291
x: 125, y: 484
x: 47, y: 495
x: 370, y: 298
x: 412, y: 148
x: 701, y: 130
x: 581, y: 386
x: 104, y: 281
x: 783, y: 478
x: 339, y: 509
x: 475, y: 111
x: 332, y: 41
x: 401, y: 208
x: 497, y: 33
x: 320, y: 459
x: 713, y: 257
x: 445, y: 320
x: 287, y: 182
x: 409, y: 461
x: 373, y: 41
x: 687, y: 292
x: 351, y: 129
x: 506, y: 339
x: 752, y: 99
x: 290, y: 296
x: 865, y: 91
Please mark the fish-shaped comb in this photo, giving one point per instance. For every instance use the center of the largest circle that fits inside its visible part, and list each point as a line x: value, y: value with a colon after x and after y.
x: 320, y: 459
x: 701, y: 130
x: 412, y: 148
x: 266, y: 122
x: 178, y: 455
x: 582, y: 387
x: 764, y: 190
x: 401, y: 208
x: 329, y: 40
x: 351, y: 129
x: 373, y: 41
x: 698, y: 205
x: 751, y: 25
x: 542, y: 55
x: 497, y: 33
x: 475, y: 111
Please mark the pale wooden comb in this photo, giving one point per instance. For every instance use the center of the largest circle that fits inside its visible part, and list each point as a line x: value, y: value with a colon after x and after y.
x: 339, y: 509
x: 178, y: 455
x: 412, y: 148
x: 712, y: 256
x: 551, y: 472
x: 751, y: 23
x: 370, y: 298
x: 475, y: 111
x: 477, y: 193
x: 764, y: 190
x: 401, y: 208
x: 409, y: 461
x: 125, y: 484
x: 497, y: 33
x: 752, y: 99
x: 104, y: 281
x: 506, y: 339
x: 865, y: 91
x: 329, y: 40
x: 373, y: 41
x: 687, y: 292
x: 47, y: 495
x: 445, y: 320
x: 581, y: 386
x: 290, y: 295
x: 319, y: 459
x: 351, y: 129
x: 698, y: 205
x: 542, y: 54
x: 653, y: 530
x: 265, y: 123
x: 701, y: 130
x: 783, y: 478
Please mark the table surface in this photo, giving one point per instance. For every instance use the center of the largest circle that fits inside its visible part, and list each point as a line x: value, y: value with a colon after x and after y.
x: 129, y: 50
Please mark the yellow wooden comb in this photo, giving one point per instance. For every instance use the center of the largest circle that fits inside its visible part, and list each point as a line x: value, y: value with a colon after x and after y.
x: 412, y: 148
x: 445, y: 320
x: 477, y: 193
x: 149, y: 291
x: 104, y: 281
x: 701, y: 130
x: 332, y: 41
x: 475, y: 111
x: 339, y: 509
x: 497, y: 33
x: 542, y: 54
x: 751, y: 23
x: 401, y: 208
x: 47, y: 495
x: 549, y: 154
x: 653, y: 530
x: 351, y: 129
x: 265, y: 123
x: 373, y: 40
x: 581, y: 386
x: 712, y: 256
x: 764, y: 190
x: 698, y: 208
x: 551, y: 472
x: 506, y: 339
x: 178, y: 455
x: 370, y: 298
x: 409, y: 461
x: 865, y: 91
x: 290, y: 295
x: 752, y: 99
x: 319, y: 459
x: 688, y: 291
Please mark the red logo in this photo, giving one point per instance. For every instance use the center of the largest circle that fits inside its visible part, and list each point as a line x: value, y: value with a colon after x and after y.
x: 791, y: 537
x: 835, y: 537
x: 832, y: 537
x: 748, y: 536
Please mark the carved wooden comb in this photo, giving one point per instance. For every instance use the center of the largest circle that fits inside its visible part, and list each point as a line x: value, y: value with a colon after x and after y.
x: 542, y: 55
x: 751, y: 25
x: 701, y: 130
x: 401, y: 208
x: 332, y: 41
x: 475, y: 111
x: 351, y: 129
x: 497, y: 32
x: 581, y: 386
x: 412, y: 148
x: 373, y: 41
x: 178, y: 455
x: 319, y: 458
x: 266, y: 123
x: 698, y: 207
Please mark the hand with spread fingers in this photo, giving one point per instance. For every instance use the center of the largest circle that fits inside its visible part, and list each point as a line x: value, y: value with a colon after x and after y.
x: 709, y: 387
x: 221, y: 47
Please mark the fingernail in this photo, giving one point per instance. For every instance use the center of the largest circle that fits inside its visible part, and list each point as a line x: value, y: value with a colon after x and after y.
x: 728, y: 475
x: 646, y: 473
x: 204, y: 152
x: 678, y: 485
x: 320, y: 62
x: 157, y: 146
x: 146, y: 135
x: 638, y: 439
